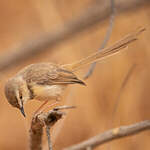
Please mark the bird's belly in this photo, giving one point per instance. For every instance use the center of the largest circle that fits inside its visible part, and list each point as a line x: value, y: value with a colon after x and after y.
x: 48, y: 92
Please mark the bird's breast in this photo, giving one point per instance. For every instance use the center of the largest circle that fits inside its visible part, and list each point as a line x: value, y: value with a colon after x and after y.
x: 47, y: 92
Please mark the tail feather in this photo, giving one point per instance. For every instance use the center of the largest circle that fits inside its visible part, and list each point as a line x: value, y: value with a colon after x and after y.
x: 115, y: 48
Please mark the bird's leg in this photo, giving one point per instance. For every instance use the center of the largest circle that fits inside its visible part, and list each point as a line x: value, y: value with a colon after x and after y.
x: 39, y: 109
x: 49, y: 106
x: 57, y: 101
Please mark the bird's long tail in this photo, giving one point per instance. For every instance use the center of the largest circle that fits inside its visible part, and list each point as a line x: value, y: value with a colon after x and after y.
x: 115, y: 48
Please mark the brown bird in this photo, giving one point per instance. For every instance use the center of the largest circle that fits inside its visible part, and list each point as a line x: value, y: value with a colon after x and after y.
x: 47, y: 81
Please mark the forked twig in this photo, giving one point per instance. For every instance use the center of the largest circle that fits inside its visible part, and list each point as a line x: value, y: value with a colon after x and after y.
x: 47, y: 119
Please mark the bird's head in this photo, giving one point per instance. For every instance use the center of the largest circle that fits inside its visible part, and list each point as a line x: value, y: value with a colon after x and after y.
x: 17, y: 93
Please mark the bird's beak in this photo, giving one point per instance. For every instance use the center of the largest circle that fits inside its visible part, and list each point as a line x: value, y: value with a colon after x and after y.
x: 22, y: 111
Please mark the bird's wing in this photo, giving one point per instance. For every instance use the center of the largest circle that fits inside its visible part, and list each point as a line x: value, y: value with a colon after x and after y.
x: 49, y: 74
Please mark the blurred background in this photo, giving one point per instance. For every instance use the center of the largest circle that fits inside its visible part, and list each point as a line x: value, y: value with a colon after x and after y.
x: 24, y: 20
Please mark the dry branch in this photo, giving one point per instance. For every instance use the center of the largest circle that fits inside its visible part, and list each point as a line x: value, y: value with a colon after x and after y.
x: 93, y: 15
x: 37, y: 124
x: 47, y: 119
x: 50, y: 147
x: 111, y: 135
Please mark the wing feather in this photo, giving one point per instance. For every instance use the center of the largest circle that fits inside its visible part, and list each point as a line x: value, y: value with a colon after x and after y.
x: 48, y: 74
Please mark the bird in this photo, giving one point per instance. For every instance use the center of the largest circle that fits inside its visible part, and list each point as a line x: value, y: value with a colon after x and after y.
x: 47, y: 81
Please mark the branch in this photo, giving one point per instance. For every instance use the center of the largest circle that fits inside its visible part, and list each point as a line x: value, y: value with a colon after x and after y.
x: 50, y: 147
x: 93, y: 15
x: 44, y: 119
x: 37, y: 124
x: 106, y: 38
x: 111, y: 135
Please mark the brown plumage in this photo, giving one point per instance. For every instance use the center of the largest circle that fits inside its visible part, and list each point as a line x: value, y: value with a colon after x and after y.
x: 46, y: 81
x: 48, y: 74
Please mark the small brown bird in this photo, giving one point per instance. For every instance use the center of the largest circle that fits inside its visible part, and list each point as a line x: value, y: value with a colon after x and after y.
x: 46, y: 81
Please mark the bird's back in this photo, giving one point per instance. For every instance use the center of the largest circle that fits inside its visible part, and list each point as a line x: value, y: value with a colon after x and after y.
x: 48, y: 74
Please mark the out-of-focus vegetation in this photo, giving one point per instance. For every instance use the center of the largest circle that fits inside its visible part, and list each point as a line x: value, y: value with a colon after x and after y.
x: 21, y: 20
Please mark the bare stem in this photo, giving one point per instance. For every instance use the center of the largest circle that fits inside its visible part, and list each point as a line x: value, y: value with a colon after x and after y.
x: 123, y: 85
x: 111, y: 135
x: 49, y: 138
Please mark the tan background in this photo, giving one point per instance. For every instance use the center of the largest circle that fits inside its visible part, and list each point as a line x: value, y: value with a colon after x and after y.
x: 21, y: 20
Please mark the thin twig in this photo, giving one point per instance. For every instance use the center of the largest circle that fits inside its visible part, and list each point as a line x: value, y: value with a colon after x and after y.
x: 123, y: 85
x: 106, y: 38
x: 64, y: 107
x: 49, y: 138
x: 111, y: 135
x: 69, y: 100
x: 93, y: 15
